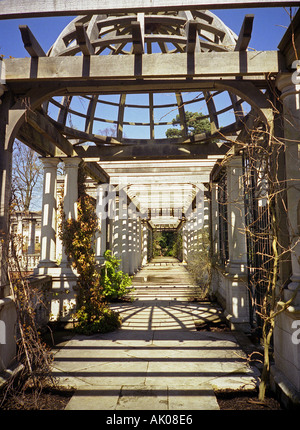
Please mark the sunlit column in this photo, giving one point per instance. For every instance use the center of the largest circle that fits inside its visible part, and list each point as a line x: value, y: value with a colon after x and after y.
x: 70, y: 196
x: 117, y: 233
x: 102, y: 214
x: 31, y: 235
x: 290, y: 97
x: 214, y: 219
x: 236, y: 281
x: 131, y: 265
x: 286, y: 336
x: 144, y: 243
x: 236, y: 217
x: 49, y: 209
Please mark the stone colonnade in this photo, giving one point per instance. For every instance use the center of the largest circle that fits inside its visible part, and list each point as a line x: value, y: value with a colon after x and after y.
x: 230, y: 281
x: 286, y: 371
x: 195, y: 225
x: 126, y: 236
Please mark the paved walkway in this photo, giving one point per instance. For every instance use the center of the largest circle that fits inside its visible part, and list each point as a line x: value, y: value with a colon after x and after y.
x: 156, y: 361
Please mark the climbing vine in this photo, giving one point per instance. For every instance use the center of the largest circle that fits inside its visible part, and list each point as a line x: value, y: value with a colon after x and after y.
x: 93, y: 314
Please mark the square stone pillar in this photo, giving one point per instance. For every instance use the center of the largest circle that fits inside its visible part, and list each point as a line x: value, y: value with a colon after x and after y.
x: 184, y: 242
x: 130, y: 226
x: 137, y: 248
x: 31, y: 235
x: 19, y: 239
x: 5, y: 187
x: 124, y: 245
x: 237, y: 243
x: 237, y: 294
x: 117, y: 233
x: 144, y: 243
x: 286, y: 372
x: 214, y: 232
x: 134, y: 243
x: 290, y: 97
x: 214, y: 220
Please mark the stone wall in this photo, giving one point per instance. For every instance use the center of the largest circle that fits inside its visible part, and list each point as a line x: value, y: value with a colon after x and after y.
x: 8, y: 320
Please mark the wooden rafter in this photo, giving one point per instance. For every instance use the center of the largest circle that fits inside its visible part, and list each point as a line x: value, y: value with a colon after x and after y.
x: 31, y: 45
x: 245, y: 33
x: 150, y: 151
x: 83, y: 40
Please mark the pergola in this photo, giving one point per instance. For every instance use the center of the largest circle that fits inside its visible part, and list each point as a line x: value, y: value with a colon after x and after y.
x: 133, y: 53
x: 160, y: 57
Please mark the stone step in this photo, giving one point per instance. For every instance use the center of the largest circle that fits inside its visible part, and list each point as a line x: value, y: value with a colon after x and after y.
x: 175, y: 292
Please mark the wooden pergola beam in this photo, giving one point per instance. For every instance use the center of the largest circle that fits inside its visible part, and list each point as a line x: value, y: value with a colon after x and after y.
x: 150, y: 152
x: 154, y: 66
x: 36, y: 141
x: 245, y: 33
x: 41, y: 124
x: 31, y: 45
x: 35, y: 8
x: 39, y: 134
x: 137, y: 37
x: 96, y: 172
x: 191, y: 32
x: 83, y: 40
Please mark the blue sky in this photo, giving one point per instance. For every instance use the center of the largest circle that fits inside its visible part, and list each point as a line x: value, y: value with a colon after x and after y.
x: 269, y: 27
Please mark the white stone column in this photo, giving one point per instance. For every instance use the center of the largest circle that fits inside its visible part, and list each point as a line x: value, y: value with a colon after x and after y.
x: 236, y: 217
x: 144, y: 243
x: 102, y: 214
x: 138, y: 243
x: 184, y: 242
x: 5, y: 185
x: 215, y: 246
x: 70, y: 196
x: 131, y: 265
x: 236, y: 281
x: 19, y: 237
x: 290, y: 97
x: 31, y: 235
x: 134, y: 243
x: 214, y: 220
x: 49, y: 210
x: 124, y: 245
x: 286, y: 341
x: 117, y: 234
x: 71, y: 187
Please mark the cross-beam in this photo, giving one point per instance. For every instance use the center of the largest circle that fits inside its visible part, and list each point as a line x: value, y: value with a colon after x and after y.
x: 37, y: 8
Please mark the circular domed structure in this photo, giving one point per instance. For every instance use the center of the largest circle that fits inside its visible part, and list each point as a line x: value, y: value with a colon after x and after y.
x: 128, y: 118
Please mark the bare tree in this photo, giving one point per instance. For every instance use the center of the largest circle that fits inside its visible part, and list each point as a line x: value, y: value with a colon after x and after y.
x: 26, y: 177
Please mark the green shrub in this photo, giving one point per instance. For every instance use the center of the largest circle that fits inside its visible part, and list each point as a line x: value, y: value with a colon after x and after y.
x: 115, y: 283
x: 105, y: 322
x: 93, y: 314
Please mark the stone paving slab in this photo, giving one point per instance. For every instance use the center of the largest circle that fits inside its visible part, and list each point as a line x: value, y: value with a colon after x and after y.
x: 157, y: 360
